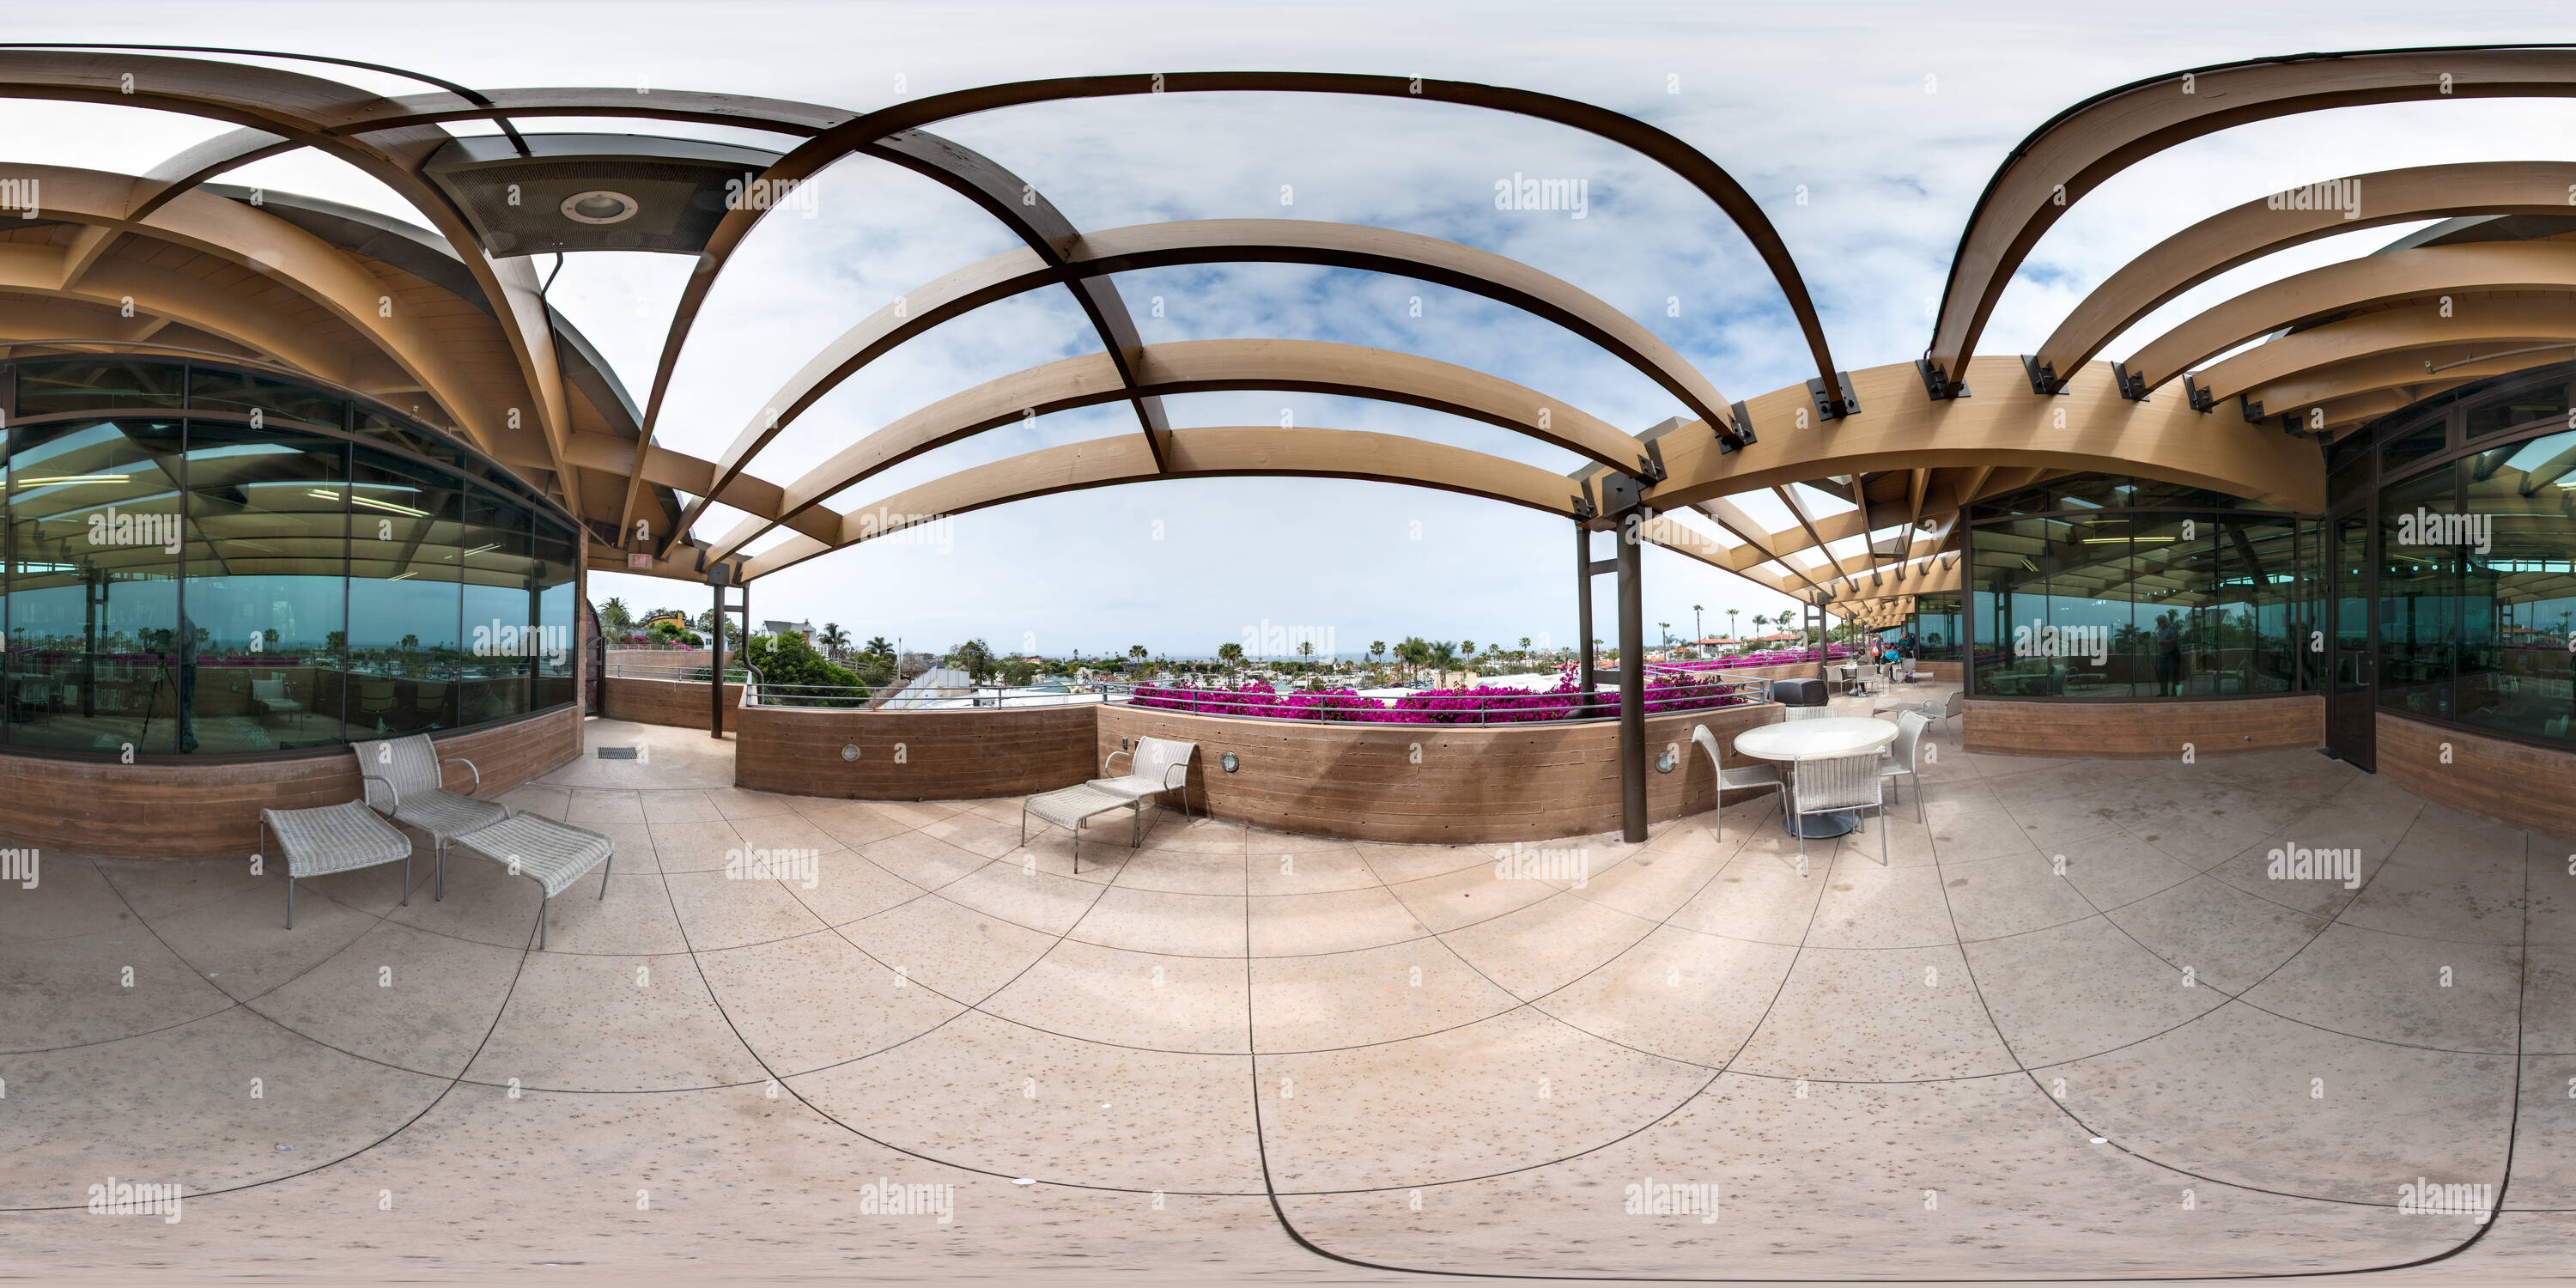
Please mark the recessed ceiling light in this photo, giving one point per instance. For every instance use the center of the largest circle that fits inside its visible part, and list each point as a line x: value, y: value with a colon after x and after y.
x: 599, y: 207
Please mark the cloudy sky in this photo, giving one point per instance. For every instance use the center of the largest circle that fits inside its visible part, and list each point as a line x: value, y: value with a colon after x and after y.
x: 1865, y: 130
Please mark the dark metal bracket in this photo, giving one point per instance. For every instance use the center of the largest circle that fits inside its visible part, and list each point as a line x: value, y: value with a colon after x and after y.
x: 1937, y: 382
x: 1830, y: 407
x: 2043, y: 376
x: 2133, y: 385
x: 2201, y: 399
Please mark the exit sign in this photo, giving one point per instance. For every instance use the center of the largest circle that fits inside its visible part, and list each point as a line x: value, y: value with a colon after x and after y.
x: 638, y: 559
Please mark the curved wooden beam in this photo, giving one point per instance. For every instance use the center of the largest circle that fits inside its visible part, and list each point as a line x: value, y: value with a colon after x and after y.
x: 1202, y: 366
x: 2005, y: 426
x: 1217, y: 241
x: 2454, y: 271
x: 2077, y: 150
x: 896, y: 134
x: 2502, y: 322
x: 2262, y: 227
x: 2406, y: 375
x: 1003, y: 195
x: 273, y: 247
x: 1223, y: 452
x: 311, y: 111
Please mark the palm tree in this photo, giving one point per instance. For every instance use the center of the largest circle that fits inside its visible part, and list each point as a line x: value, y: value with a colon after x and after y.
x: 877, y: 644
x: 1442, y: 656
x: 834, y: 640
x: 1413, y: 652
x: 1525, y: 646
x: 1377, y: 649
x: 1229, y: 653
x: 1137, y: 652
x: 614, y: 617
x: 1697, y: 632
x: 1467, y: 647
x: 1730, y: 622
x: 1306, y: 650
x: 1667, y: 629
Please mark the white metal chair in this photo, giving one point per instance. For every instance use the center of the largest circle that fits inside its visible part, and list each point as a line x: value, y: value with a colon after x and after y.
x: 1903, y: 756
x: 333, y: 838
x: 1758, y: 776
x: 1832, y: 784
x: 1943, y: 709
x: 1811, y: 713
x: 1850, y: 676
x: 1151, y: 765
x: 408, y: 769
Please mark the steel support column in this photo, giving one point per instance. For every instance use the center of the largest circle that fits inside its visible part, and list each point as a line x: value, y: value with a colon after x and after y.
x: 1583, y: 609
x: 715, y: 673
x: 1632, y: 679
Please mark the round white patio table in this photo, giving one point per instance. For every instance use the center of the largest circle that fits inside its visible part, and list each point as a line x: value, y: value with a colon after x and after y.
x: 1792, y: 740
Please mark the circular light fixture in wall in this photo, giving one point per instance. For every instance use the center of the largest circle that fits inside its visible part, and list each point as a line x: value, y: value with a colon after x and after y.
x: 599, y: 206
x: 1665, y: 762
x: 1228, y: 761
x: 849, y: 751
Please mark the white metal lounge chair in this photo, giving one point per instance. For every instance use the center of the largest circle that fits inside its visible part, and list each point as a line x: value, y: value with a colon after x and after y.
x: 333, y: 838
x: 407, y: 770
x: 1761, y: 775
x: 1151, y: 767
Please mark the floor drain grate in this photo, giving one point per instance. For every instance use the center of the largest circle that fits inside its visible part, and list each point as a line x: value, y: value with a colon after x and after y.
x: 617, y: 753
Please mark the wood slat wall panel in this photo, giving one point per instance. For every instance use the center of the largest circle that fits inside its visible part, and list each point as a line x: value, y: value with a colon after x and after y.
x: 182, y: 811
x: 678, y: 703
x: 947, y: 755
x: 2505, y: 781
x: 1525, y: 782
x: 1508, y: 783
x: 2144, y: 730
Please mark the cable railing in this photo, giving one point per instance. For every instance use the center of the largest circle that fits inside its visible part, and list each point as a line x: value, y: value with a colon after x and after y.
x: 1669, y: 689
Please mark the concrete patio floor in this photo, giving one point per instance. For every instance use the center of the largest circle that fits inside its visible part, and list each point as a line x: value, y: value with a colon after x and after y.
x: 1235, y: 1053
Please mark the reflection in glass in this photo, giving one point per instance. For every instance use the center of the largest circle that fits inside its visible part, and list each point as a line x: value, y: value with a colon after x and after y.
x: 94, y: 641
x: 267, y: 547
x: 405, y: 659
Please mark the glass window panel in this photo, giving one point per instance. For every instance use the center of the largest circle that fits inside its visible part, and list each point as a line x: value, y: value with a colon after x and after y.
x: 2520, y: 610
x: 2091, y: 492
x: 2419, y: 621
x: 1937, y: 627
x: 410, y: 438
x: 2089, y: 587
x: 267, y: 556
x: 2431, y: 440
x: 2253, y: 598
x: 554, y: 551
x: 2010, y: 593
x: 94, y: 647
x: 98, y: 384
x: 2171, y: 592
x: 219, y: 389
x: 2547, y: 401
x: 500, y: 610
x: 405, y: 652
